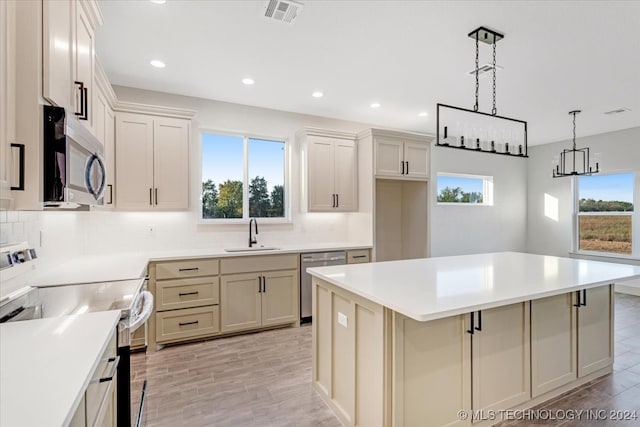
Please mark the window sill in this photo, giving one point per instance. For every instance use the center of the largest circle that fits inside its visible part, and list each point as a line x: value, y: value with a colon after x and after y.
x: 462, y: 204
x: 606, y: 256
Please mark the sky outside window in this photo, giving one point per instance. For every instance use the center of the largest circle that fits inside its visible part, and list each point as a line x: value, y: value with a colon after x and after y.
x: 618, y: 187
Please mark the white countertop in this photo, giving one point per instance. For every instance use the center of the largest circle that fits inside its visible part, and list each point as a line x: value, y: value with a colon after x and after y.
x: 433, y: 288
x: 46, y: 365
x: 124, y: 266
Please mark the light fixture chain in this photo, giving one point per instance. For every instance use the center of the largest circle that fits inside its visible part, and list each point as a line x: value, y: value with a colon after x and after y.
x: 475, y: 107
x: 574, y: 131
x: 494, y: 111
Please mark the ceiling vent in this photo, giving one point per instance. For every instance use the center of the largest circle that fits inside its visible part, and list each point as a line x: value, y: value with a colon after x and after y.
x: 484, y: 70
x: 618, y: 111
x: 282, y: 10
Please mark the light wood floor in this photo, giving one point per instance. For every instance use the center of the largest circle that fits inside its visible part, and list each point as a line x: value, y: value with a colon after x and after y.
x: 264, y: 379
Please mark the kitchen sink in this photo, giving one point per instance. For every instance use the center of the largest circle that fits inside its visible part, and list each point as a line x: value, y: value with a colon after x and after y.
x: 254, y: 249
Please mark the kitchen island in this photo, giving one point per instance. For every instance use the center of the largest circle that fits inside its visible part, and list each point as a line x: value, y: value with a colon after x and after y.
x: 439, y: 341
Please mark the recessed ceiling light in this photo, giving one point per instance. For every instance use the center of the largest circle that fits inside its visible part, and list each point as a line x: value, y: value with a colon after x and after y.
x: 317, y: 94
x: 248, y: 81
x: 158, y: 1
x: 375, y: 105
x: 423, y: 114
x: 158, y: 64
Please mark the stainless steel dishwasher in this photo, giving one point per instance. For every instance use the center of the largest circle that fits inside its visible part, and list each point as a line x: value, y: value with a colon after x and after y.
x: 318, y: 259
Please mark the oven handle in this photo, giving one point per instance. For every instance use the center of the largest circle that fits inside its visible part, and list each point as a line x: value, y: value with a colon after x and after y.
x: 145, y: 312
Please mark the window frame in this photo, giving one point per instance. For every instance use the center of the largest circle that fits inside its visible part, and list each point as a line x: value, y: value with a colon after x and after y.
x: 246, y: 136
x: 635, y: 218
x: 487, y: 189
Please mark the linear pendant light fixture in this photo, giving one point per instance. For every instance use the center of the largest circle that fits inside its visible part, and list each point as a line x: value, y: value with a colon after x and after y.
x: 577, y: 157
x: 475, y: 130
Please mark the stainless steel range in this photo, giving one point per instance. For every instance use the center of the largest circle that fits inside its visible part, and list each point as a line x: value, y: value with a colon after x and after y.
x: 128, y: 296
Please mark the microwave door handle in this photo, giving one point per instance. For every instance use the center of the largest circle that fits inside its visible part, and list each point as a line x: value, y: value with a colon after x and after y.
x: 96, y: 192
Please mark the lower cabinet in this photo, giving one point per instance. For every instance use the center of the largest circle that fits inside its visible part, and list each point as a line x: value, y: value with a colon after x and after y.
x: 254, y: 300
x: 98, y: 405
x: 432, y: 372
x: 500, y: 357
x: 571, y: 337
x: 187, y: 323
x: 440, y: 367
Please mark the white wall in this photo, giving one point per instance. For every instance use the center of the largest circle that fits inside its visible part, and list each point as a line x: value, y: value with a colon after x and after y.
x: 466, y: 229
x: 67, y: 233
x: 551, y: 233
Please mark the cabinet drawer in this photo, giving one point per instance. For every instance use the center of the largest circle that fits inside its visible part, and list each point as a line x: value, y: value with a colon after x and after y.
x: 259, y: 263
x: 186, y: 293
x: 187, y: 323
x: 358, y: 256
x: 96, y: 397
x: 193, y: 268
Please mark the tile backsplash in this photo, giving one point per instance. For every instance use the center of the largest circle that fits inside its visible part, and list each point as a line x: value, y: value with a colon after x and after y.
x: 18, y: 226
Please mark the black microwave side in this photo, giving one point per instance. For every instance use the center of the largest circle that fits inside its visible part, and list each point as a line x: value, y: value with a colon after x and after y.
x: 54, y: 154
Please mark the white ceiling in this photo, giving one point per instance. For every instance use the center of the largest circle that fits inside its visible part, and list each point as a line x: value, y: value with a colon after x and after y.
x: 406, y: 55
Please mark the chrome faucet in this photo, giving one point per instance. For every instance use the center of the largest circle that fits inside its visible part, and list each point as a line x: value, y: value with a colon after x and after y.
x: 252, y: 239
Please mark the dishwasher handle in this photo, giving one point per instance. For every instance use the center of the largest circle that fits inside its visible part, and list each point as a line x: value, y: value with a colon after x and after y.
x: 337, y: 258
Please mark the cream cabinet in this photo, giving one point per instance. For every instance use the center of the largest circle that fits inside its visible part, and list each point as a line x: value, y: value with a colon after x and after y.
x: 571, y: 337
x: 254, y: 300
x: 259, y: 291
x: 432, y: 372
x: 152, y: 158
x: 187, y: 297
x: 104, y: 130
x: 501, y: 361
x: 397, y: 157
x: 553, y: 343
x: 476, y: 361
x: 330, y: 171
x: 595, y: 329
x: 358, y: 256
x: 68, y: 29
x: 98, y: 405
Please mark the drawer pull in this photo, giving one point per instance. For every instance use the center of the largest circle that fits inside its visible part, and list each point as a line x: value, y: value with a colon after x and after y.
x: 112, y: 373
x: 358, y: 256
x: 195, y: 322
x: 182, y: 294
x: 189, y: 269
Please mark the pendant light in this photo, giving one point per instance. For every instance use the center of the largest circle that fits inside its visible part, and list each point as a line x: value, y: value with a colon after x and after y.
x: 578, y: 158
x: 476, y: 130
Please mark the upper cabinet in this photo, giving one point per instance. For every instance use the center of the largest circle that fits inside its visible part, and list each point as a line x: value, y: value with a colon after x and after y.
x: 104, y: 126
x: 152, y: 162
x: 69, y: 55
x: 400, y: 155
x: 330, y: 171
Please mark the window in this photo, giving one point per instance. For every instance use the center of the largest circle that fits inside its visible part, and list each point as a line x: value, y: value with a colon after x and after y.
x: 242, y: 177
x: 464, y: 189
x: 605, y: 213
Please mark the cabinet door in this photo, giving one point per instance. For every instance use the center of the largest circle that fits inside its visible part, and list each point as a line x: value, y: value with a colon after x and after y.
x: 501, y: 359
x: 389, y: 157
x: 134, y: 157
x: 417, y: 157
x: 56, y: 52
x: 110, y: 156
x: 84, y: 53
x: 346, y: 175
x: 240, y: 302
x: 595, y: 331
x: 553, y: 343
x: 99, y: 111
x: 171, y: 163
x: 432, y: 372
x: 280, y: 299
x: 320, y: 174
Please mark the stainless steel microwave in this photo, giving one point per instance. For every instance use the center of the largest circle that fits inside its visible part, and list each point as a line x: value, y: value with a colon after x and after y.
x: 74, y: 169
